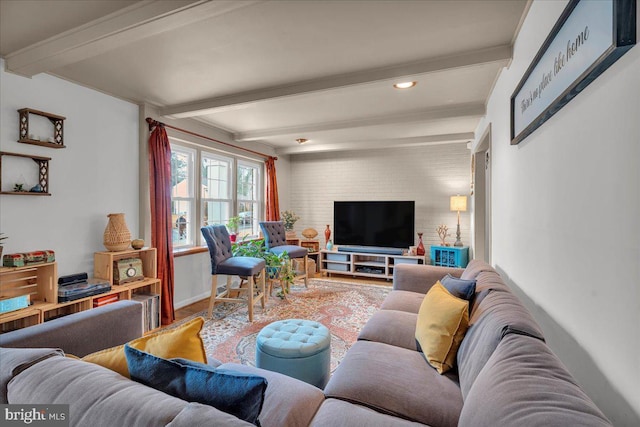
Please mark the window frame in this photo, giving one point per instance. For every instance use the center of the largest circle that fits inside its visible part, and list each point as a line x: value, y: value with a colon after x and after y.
x: 191, y: 199
x: 202, y: 152
x: 259, y: 192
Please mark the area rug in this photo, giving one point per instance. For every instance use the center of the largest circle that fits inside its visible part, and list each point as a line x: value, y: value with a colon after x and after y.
x: 343, y: 307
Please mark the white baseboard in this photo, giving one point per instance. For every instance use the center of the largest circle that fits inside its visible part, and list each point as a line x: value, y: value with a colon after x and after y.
x: 189, y: 301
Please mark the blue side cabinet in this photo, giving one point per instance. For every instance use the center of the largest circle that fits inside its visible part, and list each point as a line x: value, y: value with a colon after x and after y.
x: 450, y: 256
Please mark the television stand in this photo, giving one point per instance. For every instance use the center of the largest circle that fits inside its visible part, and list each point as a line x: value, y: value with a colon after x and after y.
x: 370, y: 250
x: 363, y: 264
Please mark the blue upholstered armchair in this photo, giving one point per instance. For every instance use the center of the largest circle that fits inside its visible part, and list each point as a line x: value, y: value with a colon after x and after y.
x: 276, y: 241
x: 223, y: 262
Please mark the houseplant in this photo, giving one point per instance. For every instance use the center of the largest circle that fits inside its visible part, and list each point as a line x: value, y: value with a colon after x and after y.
x: 2, y: 237
x: 278, y: 266
x: 232, y: 225
x: 289, y: 218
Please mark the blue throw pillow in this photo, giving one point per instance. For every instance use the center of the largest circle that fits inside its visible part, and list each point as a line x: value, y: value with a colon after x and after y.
x: 464, y: 289
x: 235, y: 393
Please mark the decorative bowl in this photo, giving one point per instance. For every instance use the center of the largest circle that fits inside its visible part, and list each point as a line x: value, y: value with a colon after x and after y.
x: 309, y: 233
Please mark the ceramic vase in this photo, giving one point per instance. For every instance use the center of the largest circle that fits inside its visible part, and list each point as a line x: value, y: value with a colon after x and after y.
x: 420, y: 249
x: 116, y: 236
x: 329, y: 245
x: 327, y: 234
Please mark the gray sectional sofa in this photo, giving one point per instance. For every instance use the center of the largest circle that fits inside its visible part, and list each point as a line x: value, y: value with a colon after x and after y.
x: 506, y: 375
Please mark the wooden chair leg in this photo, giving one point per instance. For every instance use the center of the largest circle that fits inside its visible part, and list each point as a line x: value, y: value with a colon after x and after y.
x: 250, y: 298
x: 262, y: 288
x: 306, y: 271
x: 214, y: 293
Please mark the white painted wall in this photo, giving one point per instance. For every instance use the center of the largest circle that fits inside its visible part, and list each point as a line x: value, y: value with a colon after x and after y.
x: 428, y: 174
x: 566, y: 235
x: 95, y: 175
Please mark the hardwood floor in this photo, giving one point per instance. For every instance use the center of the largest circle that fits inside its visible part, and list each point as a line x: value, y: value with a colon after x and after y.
x: 194, y: 308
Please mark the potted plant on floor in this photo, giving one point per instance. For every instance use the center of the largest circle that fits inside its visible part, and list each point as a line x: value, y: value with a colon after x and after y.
x: 278, y: 266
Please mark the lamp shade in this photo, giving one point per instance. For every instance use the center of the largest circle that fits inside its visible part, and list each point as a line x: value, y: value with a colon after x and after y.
x: 458, y: 203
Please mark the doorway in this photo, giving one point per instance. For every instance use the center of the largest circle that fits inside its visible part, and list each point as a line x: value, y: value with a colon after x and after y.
x: 482, y: 198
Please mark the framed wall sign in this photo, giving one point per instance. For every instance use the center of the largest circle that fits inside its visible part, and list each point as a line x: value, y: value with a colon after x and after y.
x: 588, y: 37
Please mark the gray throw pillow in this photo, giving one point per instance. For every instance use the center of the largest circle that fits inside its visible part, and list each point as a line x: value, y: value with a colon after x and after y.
x: 460, y: 288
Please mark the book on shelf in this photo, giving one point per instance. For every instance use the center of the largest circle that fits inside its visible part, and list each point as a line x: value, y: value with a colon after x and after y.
x: 16, y: 303
x: 107, y: 299
x: 150, y: 310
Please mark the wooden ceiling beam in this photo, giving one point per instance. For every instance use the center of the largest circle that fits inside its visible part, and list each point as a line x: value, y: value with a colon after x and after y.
x: 496, y: 54
x: 451, y: 111
x: 125, y: 26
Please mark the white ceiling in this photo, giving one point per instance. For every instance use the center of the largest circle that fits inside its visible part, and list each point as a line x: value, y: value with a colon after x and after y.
x: 274, y: 71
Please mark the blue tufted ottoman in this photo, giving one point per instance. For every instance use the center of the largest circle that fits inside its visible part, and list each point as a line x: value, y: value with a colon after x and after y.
x: 298, y: 348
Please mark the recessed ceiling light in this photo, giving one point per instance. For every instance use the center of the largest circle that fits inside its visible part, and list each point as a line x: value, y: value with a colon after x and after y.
x: 405, y: 85
x: 301, y: 140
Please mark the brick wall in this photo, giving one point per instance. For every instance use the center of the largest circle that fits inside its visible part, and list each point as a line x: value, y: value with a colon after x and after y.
x: 429, y: 175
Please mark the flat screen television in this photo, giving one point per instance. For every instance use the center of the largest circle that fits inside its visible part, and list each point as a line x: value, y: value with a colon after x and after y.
x: 388, y: 224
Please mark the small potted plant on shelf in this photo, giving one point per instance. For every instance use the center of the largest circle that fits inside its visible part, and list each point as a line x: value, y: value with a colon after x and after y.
x: 232, y: 225
x: 2, y: 237
x: 289, y: 219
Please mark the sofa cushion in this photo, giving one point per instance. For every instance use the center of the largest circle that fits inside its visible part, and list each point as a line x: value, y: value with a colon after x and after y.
x: 15, y: 360
x: 391, y: 327
x: 474, y: 268
x: 183, y: 341
x: 287, y: 401
x: 197, y: 414
x: 528, y: 386
x: 396, y: 381
x: 496, y: 314
x: 97, y: 396
x: 460, y: 288
x: 403, y: 301
x: 417, y: 278
x: 442, y: 322
x: 338, y: 413
x: 235, y: 393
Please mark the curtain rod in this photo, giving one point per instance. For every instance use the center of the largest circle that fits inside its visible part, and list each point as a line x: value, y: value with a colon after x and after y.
x: 153, y: 122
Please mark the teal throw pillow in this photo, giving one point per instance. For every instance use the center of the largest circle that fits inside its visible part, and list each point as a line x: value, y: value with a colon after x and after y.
x: 463, y: 289
x: 235, y: 393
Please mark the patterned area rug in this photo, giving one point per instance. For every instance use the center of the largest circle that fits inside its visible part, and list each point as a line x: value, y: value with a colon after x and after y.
x: 342, y: 307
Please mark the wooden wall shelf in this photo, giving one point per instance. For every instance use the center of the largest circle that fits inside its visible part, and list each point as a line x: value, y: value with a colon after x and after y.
x: 58, y: 128
x: 43, y: 174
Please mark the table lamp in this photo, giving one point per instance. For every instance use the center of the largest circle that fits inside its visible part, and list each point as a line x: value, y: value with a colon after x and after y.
x: 458, y: 203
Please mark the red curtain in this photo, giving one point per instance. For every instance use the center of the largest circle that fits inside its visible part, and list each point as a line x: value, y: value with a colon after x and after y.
x: 273, y: 207
x: 161, y: 237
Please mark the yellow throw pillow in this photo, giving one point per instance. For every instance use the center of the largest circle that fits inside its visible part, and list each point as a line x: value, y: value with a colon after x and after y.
x: 442, y: 322
x: 183, y: 341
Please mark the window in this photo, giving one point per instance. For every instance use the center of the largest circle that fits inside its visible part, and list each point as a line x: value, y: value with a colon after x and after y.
x: 248, y: 198
x: 216, y: 189
x: 229, y: 186
x: 182, y: 196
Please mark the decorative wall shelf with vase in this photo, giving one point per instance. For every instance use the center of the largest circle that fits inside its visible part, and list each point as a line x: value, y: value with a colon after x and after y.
x: 43, y: 174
